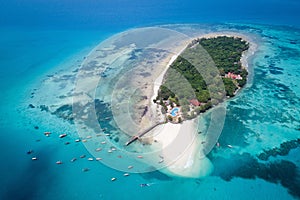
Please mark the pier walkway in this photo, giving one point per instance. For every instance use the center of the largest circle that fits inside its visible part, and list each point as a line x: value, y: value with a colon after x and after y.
x: 136, y: 137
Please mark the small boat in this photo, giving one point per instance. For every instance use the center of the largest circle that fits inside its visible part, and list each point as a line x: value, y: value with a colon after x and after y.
x: 90, y: 159
x: 73, y: 159
x: 88, y: 137
x: 109, y: 151
x: 107, y: 134
x: 47, y: 133
x: 85, y: 169
x: 98, y: 149
x: 59, y: 162
x: 229, y: 146
x: 62, y: 135
x: 82, y: 156
x: 126, y: 174
x: 34, y: 158
x: 130, y: 167
x: 218, y: 144
x: 66, y: 143
x: 145, y: 184
x: 103, y: 142
x: 140, y: 156
x: 98, y: 159
x: 119, y: 156
x: 30, y: 152
x: 113, y: 179
x: 98, y: 135
x: 77, y: 140
x: 161, y: 161
x: 113, y: 149
x: 84, y: 140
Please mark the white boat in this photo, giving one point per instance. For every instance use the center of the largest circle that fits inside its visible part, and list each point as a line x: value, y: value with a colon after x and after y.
x: 90, y: 159
x: 34, y: 158
x: 73, y: 159
x: 98, y: 159
x: 98, y: 149
x: 113, y: 179
x: 47, y: 133
x: 59, y: 162
x: 126, y: 174
x: 62, y: 135
x: 229, y: 146
x: 77, y: 140
x: 130, y: 167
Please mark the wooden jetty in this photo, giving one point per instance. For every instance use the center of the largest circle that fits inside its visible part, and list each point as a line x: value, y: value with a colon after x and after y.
x: 136, y: 137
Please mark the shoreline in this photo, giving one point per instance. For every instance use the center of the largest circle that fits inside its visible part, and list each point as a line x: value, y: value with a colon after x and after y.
x: 158, y: 81
x: 191, y: 163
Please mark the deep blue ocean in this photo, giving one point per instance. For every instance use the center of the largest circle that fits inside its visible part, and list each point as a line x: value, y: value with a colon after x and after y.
x: 38, y: 38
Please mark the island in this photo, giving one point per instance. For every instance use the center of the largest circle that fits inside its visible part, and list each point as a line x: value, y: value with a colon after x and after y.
x: 184, y: 100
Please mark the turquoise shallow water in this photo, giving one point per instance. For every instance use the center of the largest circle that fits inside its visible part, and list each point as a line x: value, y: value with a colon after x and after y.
x: 264, y: 115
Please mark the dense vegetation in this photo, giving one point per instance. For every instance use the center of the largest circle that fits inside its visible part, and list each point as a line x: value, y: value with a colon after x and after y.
x: 199, y: 73
x: 226, y: 52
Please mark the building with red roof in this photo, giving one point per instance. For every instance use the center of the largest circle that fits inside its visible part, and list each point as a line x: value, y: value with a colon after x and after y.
x: 195, y: 102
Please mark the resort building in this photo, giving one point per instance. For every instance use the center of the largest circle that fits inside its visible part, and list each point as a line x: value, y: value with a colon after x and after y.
x: 233, y: 76
x: 195, y: 102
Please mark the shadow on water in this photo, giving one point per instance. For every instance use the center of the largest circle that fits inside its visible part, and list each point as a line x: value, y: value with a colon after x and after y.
x: 156, y: 175
x: 246, y: 166
x: 28, y: 184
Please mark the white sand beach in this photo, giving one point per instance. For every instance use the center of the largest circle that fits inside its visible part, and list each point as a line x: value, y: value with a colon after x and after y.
x: 181, y: 150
